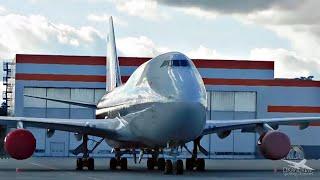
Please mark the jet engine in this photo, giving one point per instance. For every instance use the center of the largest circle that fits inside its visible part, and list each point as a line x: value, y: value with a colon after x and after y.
x: 78, y: 136
x: 223, y: 134
x: 20, y: 144
x: 274, y: 145
x: 50, y: 132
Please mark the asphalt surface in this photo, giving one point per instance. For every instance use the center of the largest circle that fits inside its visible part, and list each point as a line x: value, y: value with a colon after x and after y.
x: 63, y: 168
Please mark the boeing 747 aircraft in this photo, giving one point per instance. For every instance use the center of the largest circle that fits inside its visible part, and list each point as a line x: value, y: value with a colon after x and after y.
x: 159, y: 109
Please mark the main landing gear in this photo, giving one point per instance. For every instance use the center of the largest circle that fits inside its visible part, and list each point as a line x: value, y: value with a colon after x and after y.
x: 85, y: 161
x: 195, y: 163
x: 174, y: 166
x: 117, y: 161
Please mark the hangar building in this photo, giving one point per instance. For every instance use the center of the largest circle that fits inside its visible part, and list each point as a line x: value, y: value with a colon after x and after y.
x: 236, y: 90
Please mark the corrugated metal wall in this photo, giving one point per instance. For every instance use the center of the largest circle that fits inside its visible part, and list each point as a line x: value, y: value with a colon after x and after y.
x: 230, y: 105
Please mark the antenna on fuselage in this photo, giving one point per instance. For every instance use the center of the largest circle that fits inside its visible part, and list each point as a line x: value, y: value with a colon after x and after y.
x: 113, y: 77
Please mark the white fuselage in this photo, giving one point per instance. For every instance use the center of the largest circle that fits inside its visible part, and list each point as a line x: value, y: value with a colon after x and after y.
x: 163, y: 102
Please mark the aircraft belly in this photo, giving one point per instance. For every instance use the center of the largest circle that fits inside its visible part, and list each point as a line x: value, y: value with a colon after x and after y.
x: 162, y: 123
x: 156, y: 124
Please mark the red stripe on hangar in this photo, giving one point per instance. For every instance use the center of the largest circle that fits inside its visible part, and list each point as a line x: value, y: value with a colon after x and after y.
x: 137, y: 61
x: 294, y: 109
x: 63, y: 77
x: 234, y: 64
x: 60, y: 77
x: 261, y: 82
x: 60, y: 59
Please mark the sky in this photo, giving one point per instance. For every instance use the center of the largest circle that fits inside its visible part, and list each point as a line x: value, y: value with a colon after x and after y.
x: 284, y: 31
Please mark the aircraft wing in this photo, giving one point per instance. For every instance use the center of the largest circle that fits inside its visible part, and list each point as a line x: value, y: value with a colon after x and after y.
x: 71, y: 102
x: 107, y: 128
x: 249, y: 125
x: 290, y: 162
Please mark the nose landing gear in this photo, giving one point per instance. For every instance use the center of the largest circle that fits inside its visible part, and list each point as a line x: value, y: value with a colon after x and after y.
x: 156, y: 162
x: 175, y: 166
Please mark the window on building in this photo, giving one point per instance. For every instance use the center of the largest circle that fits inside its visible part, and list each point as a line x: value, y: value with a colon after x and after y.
x: 222, y: 101
x: 233, y: 101
x: 245, y: 101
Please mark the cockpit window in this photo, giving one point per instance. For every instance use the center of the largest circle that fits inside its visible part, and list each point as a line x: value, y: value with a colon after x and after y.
x: 165, y: 63
x: 184, y: 63
x: 175, y: 63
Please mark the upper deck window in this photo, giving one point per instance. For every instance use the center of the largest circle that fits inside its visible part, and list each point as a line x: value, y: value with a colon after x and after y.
x: 175, y: 63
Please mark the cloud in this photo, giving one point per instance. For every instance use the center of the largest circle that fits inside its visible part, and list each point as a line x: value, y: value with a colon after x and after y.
x: 288, y: 64
x: 105, y: 18
x: 2, y: 10
x: 230, y: 7
x: 203, y: 52
x: 139, y: 46
x: 299, y: 25
x: 36, y: 34
x: 294, y: 20
x: 197, y: 12
x: 300, y: 15
x: 146, y: 9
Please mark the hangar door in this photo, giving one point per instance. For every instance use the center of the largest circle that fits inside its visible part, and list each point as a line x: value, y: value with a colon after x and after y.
x: 225, y: 105
x: 61, y: 143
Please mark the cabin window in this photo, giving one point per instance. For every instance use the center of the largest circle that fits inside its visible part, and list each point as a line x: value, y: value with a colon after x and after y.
x: 175, y: 63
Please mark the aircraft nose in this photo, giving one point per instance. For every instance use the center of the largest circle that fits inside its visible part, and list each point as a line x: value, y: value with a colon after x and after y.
x: 188, y: 120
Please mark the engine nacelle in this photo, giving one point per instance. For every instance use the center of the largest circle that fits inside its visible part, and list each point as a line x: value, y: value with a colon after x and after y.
x: 20, y: 144
x: 78, y: 136
x: 223, y: 134
x: 274, y: 145
x: 50, y: 132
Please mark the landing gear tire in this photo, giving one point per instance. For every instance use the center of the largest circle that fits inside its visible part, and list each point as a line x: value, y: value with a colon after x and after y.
x: 123, y: 163
x: 90, y: 164
x: 161, y: 164
x: 113, y: 164
x: 189, y: 164
x: 168, y: 167
x: 200, y: 164
x: 151, y: 163
x: 85, y: 162
x: 179, y: 166
x: 79, y: 164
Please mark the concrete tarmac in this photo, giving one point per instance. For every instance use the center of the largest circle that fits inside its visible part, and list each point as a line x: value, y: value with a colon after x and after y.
x: 64, y: 168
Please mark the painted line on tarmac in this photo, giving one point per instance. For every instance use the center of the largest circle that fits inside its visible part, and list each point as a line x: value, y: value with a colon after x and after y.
x: 43, y: 166
x: 93, y: 178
